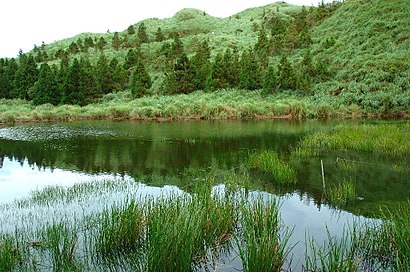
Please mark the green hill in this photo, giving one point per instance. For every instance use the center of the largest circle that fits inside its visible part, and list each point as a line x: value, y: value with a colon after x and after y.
x: 339, y: 59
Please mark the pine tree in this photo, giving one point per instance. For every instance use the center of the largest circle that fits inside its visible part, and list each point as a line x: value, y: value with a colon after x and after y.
x: 184, y: 75
x: 177, y: 48
x: 26, y: 76
x: 101, y: 43
x: 116, y: 43
x: 8, y: 70
x: 286, y: 74
x: 140, y: 81
x: 142, y: 33
x: 159, y: 36
x: 88, y: 84
x: 131, y: 30
x: 118, y: 75
x: 46, y: 89
x: 71, y: 87
x: 132, y: 58
x: 103, y: 75
x: 73, y: 48
x: 270, y: 82
x: 201, y: 65
x: 250, y: 75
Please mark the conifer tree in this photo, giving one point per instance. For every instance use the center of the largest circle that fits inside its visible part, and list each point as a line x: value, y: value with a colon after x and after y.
x: 132, y: 58
x: 250, y: 75
x: 201, y: 65
x: 286, y: 74
x: 116, y: 43
x: 46, y: 89
x: 184, y: 75
x: 131, y: 30
x: 140, y: 80
x: 159, y: 36
x: 142, y: 33
x: 8, y: 72
x: 118, y: 75
x: 26, y: 76
x: 71, y: 88
x: 270, y: 82
x: 73, y: 48
x: 103, y: 75
x: 88, y: 84
x: 101, y: 43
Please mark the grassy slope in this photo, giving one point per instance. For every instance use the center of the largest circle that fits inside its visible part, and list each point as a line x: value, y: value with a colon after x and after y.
x: 369, y: 61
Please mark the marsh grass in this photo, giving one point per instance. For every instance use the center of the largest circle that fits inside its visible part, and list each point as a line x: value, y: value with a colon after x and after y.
x: 223, y: 104
x: 122, y: 230
x: 10, y: 253
x: 336, y: 254
x: 388, y: 244
x: 381, y: 139
x: 342, y: 194
x: 60, y: 242
x: 263, y: 242
x: 269, y: 161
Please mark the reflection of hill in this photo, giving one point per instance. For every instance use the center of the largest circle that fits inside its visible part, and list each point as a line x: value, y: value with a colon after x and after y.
x: 143, y: 148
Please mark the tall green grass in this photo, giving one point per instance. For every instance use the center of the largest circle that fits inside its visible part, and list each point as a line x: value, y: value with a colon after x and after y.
x: 263, y: 243
x: 342, y: 194
x: 269, y: 161
x: 380, y: 139
x: 11, y: 255
x: 224, y: 104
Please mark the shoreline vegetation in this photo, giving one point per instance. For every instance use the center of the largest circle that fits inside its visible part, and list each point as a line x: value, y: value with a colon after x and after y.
x: 220, y: 222
x: 227, y: 104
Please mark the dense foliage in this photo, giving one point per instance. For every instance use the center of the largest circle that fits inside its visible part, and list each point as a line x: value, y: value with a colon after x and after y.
x: 311, y: 51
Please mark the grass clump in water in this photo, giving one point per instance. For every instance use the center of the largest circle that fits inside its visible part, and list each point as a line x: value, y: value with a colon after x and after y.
x: 122, y: 230
x: 269, y: 162
x: 60, y: 243
x: 380, y: 139
x: 335, y: 254
x: 342, y: 193
x: 262, y: 246
x: 10, y: 254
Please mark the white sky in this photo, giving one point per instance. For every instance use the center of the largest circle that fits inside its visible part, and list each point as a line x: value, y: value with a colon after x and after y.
x: 24, y: 23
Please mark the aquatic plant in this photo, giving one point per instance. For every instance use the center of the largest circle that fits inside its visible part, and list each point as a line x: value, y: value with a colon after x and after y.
x: 336, y: 254
x: 60, y: 242
x: 380, y: 139
x: 342, y: 194
x: 10, y: 253
x: 262, y: 241
x: 269, y: 161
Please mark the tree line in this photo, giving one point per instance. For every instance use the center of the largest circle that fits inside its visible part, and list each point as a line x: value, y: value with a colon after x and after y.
x: 76, y: 80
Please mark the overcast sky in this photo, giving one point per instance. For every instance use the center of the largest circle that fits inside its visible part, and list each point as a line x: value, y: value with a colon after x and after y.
x: 24, y: 23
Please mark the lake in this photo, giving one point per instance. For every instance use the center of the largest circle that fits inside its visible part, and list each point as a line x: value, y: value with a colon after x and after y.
x: 155, y: 157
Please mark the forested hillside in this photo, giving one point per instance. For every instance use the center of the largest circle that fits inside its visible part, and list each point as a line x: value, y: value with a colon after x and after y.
x: 345, y: 55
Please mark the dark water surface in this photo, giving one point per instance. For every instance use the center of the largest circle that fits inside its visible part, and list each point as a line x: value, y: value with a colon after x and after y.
x: 159, y: 154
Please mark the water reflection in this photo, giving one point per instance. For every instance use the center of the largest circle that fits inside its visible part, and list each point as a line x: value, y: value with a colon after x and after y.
x: 164, y: 153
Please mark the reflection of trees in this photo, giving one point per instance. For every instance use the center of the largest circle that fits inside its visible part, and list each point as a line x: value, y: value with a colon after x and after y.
x: 138, y: 156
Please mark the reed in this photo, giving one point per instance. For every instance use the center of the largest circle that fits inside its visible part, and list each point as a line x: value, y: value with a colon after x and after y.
x: 269, y: 161
x: 122, y: 230
x: 336, y: 254
x: 10, y: 253
x: 380, y: 139
x: 262, y: 242
x: 342, y: 194
x: 60, y: 242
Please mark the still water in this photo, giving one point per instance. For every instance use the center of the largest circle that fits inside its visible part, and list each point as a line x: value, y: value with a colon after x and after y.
x: 158, y: 155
